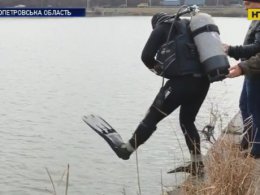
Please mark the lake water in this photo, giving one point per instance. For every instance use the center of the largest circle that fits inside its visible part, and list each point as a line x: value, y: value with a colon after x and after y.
x: 54, y: 71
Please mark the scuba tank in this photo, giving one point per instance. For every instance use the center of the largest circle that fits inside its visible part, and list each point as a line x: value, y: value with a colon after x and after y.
x: 206, y: 37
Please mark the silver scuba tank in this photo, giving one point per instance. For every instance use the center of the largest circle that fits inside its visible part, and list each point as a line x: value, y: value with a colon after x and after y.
x: 206, y: 37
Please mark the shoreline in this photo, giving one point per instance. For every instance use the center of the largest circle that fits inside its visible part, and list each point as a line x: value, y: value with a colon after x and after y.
x: 216, y: 160
x: 149, y: 11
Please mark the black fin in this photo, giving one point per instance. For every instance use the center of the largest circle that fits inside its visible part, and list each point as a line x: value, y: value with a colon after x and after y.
x: 186, y: 169
x: 194, y: 168
x: 105, y: 130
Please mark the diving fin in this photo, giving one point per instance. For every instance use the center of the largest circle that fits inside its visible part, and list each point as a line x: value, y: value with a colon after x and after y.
x: 109, y: 134
x: 194, y: 168
x: 180, y: 169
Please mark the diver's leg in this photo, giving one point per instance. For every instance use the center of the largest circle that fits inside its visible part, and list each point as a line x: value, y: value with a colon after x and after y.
x: 195, y: 95
x: 188, y: 113
x: 146, y: 128
x: 166, y: 101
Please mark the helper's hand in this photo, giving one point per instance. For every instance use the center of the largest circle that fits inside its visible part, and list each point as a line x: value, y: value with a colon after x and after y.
x: 234, y: 71
x: 225, y: 47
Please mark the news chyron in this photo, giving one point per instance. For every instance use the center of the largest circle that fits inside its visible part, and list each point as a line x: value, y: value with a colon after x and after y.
x: 42, y: 12
x: 253, y: 14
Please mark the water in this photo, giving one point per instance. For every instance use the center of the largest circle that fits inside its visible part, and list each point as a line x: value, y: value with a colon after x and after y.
x: 53, y: 71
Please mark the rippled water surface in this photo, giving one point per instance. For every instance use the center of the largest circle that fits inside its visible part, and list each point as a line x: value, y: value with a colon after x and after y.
x: 53, y: 71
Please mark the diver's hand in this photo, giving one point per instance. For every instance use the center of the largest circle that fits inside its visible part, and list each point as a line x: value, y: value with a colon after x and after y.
x: 157, y: 69
x: 234, y: 71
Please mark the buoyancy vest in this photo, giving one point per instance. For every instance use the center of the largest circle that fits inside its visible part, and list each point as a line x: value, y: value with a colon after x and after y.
x: 179, y: 56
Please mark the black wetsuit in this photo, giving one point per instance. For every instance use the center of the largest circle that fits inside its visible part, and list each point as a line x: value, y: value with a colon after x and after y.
x: 187, y: 91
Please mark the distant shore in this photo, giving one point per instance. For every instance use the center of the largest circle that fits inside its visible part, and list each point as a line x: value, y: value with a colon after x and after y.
x: 214, y: 11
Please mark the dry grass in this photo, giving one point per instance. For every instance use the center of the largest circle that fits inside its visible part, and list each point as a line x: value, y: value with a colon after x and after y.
x: 228, y: 172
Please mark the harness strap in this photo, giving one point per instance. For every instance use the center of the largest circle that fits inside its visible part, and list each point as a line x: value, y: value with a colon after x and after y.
x: 206, y: 28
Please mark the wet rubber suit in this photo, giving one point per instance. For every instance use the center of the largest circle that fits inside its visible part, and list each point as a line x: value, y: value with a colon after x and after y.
x: 187, y: 91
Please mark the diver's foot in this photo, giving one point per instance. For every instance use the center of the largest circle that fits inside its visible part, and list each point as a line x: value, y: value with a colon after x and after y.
x: 194, y: 168
x: 122, y: 152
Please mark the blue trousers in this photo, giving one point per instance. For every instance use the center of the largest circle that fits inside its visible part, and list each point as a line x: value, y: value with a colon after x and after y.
x: 250, y: 105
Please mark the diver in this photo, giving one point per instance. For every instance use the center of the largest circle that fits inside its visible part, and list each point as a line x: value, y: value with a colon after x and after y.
x: 186, y: 88
x: 169, y: 52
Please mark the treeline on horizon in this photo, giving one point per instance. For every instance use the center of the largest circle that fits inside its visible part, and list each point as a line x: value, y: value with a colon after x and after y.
x: 101, y: 3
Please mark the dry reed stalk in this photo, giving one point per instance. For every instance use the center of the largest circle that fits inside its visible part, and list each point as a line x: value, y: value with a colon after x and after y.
x: 228, y: 172
x: 67, y: 180
x: 124, y: 192
x: 51, y: 180
x: 137, y: 169
x: 161, y: 183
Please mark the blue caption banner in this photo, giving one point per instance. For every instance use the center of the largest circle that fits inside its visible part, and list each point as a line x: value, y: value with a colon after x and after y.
x: 42, y: 12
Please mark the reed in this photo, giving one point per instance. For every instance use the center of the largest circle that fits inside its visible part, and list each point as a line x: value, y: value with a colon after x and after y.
x: 137, y: 170
x: 228, y: 172
x: 54, y: 189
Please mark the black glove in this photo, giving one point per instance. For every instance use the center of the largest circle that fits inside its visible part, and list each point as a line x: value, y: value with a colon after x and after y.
x: 157, y: 69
